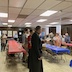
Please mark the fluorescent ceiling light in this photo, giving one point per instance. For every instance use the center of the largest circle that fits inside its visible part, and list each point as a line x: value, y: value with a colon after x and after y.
x: 5, y: 23
x: 42, y: 20
x: 48, y: 25
x: 9, y: 25
x: 3, y: 14
x: 11, y: 21
x: 27, y: 23
x: 48, y: 13
x: 54, y: 23
x: 70, y: 20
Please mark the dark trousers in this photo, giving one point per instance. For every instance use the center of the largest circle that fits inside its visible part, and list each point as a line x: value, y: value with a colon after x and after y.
x: 25, y: 57
x: 29, y: 59
x: 3, y: 46
x: 15, y: 39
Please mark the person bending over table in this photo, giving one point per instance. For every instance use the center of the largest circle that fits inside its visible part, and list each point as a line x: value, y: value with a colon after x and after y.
x: 57, y: 40
x: 36, y: 53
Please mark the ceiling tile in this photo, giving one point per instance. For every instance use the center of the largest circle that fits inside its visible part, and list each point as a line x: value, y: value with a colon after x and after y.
x: 26, y: 11
x: 30, y: 17
x: 68, y: 0
x: 3, y: 20
x: 48, y: 4
x: 18, y: 20
x: 16, y: 3
x: 4, y: 9
x: 68, y: 9
x: 3, y: 2
x: 38, y: 12
x: 62, y: 6
x: 14, y: 10
x: 33, y: 3
x: 12, y: 16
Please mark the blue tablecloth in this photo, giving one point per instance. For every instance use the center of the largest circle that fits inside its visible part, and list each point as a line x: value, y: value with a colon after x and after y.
x: 56, y: 49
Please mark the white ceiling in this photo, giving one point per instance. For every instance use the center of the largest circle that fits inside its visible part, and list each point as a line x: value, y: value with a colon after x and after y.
x: 33, y: 8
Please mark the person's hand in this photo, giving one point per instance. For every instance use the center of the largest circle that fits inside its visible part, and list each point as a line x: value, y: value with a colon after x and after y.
x: 40, y: 58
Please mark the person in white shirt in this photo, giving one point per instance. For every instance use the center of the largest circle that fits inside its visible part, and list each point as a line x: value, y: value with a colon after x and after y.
x: 16, y: 36
x: 4, y: 38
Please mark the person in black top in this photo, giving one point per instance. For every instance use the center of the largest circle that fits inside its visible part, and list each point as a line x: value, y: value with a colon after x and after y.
x: 36, y: 53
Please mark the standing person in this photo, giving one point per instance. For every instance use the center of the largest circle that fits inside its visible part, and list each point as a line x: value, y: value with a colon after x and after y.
x: 24, y: 38
x: 4, y: 38
x: 29, y: 45
x: 24, y: 43
x: 16, y: 36
x: 36, y: 52
x: 57, y: 40
x: 51, y: 35
x: 63, y: 38
x: 67, y: 38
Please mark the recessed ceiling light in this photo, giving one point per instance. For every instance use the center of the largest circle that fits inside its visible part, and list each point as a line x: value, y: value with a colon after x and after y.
x: 9, y: 25
x: 11, y: 21
x: 42, y: 20
x: 54, y: 23
x: 3, y: 14
x: 48, y: 13
x: 5, y: 23
x: 27, y: 23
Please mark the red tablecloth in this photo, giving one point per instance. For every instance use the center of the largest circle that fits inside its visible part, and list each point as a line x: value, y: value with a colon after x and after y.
x: 14, y: 47
x: 68, y: 44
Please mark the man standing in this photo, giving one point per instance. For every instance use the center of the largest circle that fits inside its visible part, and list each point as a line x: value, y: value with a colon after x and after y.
x: 24, y: 43
x: 67, y: 38
x: 16, y: 36
x: 36, y: 53
x: 4, y: 38
x: 29, y: 45
x: 57, y: 40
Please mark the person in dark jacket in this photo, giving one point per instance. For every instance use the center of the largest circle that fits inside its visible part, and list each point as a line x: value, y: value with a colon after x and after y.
x: 36, y: 53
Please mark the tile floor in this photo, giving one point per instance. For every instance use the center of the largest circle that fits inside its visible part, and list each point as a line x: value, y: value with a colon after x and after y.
x: 49, y: 66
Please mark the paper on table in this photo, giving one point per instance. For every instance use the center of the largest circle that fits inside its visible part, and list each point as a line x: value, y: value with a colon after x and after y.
x: 44, y: 45
x: 48, y: 39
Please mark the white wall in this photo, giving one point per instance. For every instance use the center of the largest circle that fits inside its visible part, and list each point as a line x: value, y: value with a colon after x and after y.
x: 47, y: 30
x: 58, y: 29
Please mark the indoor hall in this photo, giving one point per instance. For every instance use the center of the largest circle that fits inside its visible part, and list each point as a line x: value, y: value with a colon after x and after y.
x: 36, y: 35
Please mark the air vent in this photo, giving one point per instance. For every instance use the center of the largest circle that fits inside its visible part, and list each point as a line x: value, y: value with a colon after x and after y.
x: 22, y: 16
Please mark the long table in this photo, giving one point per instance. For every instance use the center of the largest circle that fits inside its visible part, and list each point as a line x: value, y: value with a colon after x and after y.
x: 15, y: 47
x: 56, y: 49
x: 69, y: 44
